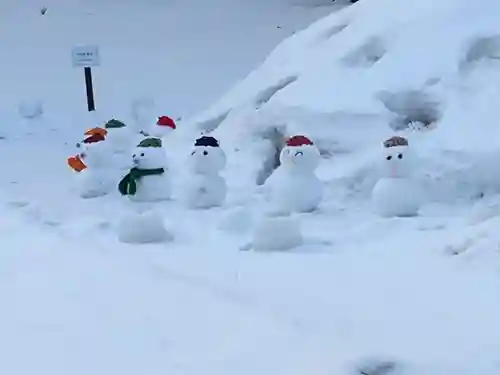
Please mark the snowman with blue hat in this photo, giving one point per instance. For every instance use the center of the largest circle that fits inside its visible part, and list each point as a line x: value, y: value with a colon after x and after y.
x: 205, y: 187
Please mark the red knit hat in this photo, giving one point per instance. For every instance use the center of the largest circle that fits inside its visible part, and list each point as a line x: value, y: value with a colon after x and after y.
x: 298, y: 140
x: 166, y: 121
x: 94, y: 138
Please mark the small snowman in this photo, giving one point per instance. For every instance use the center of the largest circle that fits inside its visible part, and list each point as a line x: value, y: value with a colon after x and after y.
x: 146, y: 184
x: 92, y: 166
x: 163, y: 127
x: 396, y: 194
x: 119, y: 136
x: 205, y: 187
x: 147, y: 180
x: 294, y: 186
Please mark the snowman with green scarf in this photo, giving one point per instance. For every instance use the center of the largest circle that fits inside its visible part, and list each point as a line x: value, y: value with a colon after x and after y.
x: 147, y: 180
x: 146, y: 183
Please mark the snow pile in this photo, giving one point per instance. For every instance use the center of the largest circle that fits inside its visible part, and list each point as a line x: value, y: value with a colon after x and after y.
x: 142, y: 228
x: 277, y: 233
x: 425, y: 69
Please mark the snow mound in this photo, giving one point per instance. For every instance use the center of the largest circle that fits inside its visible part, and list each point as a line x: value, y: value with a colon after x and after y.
x: 277, y: 233
x: 142, y: 228
x: 426, y: 70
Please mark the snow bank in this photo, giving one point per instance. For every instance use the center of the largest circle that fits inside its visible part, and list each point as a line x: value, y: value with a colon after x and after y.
x: 357, y: 76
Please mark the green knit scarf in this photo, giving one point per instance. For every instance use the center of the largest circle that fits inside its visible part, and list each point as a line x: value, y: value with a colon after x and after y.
x: 128, y: 184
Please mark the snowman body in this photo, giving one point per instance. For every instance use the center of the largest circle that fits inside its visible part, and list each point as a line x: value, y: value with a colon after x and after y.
x: 206, y: 191
x: 205, y: 188
x: 293, y: 191
x: 93, y: 183
x: 395, y: 197
x: 156, y: 187
x: 396, y: 193
x: 294, y: 186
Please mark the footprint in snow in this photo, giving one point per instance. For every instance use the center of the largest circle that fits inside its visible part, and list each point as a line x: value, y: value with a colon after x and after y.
x: 18, y: 204
x: 310, y: 246
x: 374, y: 367
x: 51, y: 223
x: 104, y: 226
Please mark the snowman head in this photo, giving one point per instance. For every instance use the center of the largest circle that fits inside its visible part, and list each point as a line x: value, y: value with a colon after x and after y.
x: 300, y: 153
x: 149, y: 154
x: 397, y: 162
x: 92, y: 151
x: 163, y: 127
x: 207, y: 157
x: 117, y: 131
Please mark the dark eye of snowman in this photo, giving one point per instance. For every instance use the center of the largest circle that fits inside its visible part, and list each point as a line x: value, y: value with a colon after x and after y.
x: 205, y: 153
x: 299, y: 153
x: 134, y: 155
x: 142, y: 153
x: 194, y: 152
x: 400, y: 156
x: 78, y: 145
x: 389, y: 157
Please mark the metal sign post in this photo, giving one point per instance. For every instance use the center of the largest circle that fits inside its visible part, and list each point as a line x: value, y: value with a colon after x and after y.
x: 87, y: 57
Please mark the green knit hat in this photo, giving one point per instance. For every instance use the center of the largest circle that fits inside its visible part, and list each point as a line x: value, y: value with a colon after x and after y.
x: 113, y: 123
x: 150, y: 142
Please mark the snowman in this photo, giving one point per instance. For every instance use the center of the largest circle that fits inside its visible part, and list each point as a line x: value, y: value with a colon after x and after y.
x: 163, y: 127
x: 205, y: 188
x: 148, y: 180
x: 145, y: 184
x: 120, y: 138
x: 93, y: 178
x: 294, y: 186
x: 396, y: 193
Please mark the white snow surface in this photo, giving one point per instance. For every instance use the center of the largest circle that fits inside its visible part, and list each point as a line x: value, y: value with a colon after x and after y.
x: 420, y: 291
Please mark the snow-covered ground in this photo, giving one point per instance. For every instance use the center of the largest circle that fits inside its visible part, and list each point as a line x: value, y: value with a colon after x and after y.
x: 418, y: 291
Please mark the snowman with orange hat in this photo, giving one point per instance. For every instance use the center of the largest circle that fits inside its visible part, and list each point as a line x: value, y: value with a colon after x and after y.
x: 163, y: 127
x: 294, y: 186
x: 91, y: 164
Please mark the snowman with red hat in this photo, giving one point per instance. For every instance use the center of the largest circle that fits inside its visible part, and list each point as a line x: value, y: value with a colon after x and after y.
x: 164, y: 126
x: 294, y: 186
